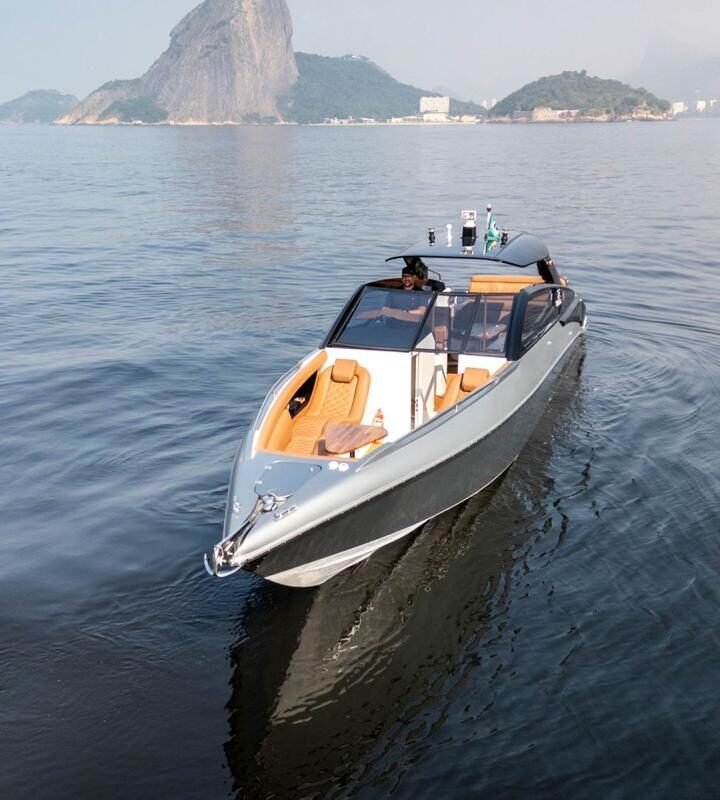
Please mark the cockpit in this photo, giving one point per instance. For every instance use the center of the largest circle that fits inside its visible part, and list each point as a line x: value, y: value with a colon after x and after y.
x: 397, y: 357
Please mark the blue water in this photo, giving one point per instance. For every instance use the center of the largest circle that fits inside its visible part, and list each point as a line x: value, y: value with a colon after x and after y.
x: 555, y: 637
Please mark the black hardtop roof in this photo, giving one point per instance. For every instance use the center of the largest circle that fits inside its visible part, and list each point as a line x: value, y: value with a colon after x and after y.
x: 522, y: 250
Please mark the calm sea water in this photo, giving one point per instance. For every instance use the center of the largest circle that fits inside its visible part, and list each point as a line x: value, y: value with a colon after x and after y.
x: 555, y: 637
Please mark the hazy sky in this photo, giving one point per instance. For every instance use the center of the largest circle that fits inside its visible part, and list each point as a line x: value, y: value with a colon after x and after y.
x: 477, y: 48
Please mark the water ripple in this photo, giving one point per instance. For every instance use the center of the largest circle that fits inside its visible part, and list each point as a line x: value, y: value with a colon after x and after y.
x: 555, y: 633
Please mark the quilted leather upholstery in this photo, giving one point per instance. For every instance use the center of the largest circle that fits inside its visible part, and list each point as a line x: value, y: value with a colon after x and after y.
x: 340, y: 395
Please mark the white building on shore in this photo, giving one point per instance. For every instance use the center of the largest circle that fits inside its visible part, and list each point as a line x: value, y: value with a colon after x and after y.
x: 693, y: 106
x: 435, y: 109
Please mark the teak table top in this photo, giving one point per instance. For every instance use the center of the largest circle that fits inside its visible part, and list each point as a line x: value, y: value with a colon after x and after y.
x: 345, y: 437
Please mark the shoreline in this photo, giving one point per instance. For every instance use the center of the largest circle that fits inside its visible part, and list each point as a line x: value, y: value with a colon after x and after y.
x: 347, y: 123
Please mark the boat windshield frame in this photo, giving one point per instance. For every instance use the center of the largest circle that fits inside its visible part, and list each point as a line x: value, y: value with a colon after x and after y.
x: 395, y: 327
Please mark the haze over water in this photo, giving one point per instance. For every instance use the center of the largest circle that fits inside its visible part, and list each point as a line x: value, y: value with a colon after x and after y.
x: 555, y: 637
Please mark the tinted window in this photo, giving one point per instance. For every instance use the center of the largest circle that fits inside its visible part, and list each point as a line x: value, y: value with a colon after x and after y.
x: 489, y: 328
x: 385, y: 318
x: 543, y: 309
x: 467, y: 323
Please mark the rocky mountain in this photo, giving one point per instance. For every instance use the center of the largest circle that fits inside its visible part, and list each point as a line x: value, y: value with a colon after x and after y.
x: 41, y: 106
x: 105, y: 105
x: 578, y: 91
x: 231, y: 61
x: 228, y: 62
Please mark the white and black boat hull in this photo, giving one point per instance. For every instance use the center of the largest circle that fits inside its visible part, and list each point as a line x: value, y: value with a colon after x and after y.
x: 339, y: 520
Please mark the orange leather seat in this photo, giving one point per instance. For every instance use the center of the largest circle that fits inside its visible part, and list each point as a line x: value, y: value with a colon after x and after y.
x: 340, y: 395
x: 460, y: 385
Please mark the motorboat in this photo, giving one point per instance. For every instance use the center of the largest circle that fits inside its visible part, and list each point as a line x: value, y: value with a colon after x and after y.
x: 420, y: 396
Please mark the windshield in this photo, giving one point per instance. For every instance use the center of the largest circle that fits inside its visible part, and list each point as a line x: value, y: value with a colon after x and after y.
x: 447, y: 322
x: 468, y: 323
x: 386, y: 318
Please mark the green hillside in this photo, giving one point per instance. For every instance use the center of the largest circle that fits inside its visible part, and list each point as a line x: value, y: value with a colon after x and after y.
x: 578, y: 90
x: 352, y: 86
x: 41, y: 106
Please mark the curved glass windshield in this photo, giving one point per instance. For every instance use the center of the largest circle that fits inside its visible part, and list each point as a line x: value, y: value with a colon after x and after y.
x: 386, y: 318
x: 468, y: 323
x: 447, y: 322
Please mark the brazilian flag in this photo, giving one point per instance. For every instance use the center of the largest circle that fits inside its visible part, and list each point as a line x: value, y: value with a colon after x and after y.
x: 492, y: 235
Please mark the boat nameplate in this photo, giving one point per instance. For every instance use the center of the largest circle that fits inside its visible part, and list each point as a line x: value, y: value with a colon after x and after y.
x: 284, y: 512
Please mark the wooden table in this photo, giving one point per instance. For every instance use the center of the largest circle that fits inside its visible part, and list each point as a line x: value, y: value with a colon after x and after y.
x: 345, y: 437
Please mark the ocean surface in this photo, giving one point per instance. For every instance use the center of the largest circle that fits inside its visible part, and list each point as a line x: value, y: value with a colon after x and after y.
x: 557, y: 636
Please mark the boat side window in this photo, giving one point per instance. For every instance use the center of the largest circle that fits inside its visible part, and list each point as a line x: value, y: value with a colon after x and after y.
x: 543, y: 309
x: 488, y: 331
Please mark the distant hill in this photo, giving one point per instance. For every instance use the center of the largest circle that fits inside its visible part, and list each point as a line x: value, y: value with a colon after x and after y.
x: 579, y: 91
x: 41, y: 106
x: 352, y: 86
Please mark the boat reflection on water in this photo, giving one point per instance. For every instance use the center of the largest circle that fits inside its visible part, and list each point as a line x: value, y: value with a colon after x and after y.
x: 330, y: 685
